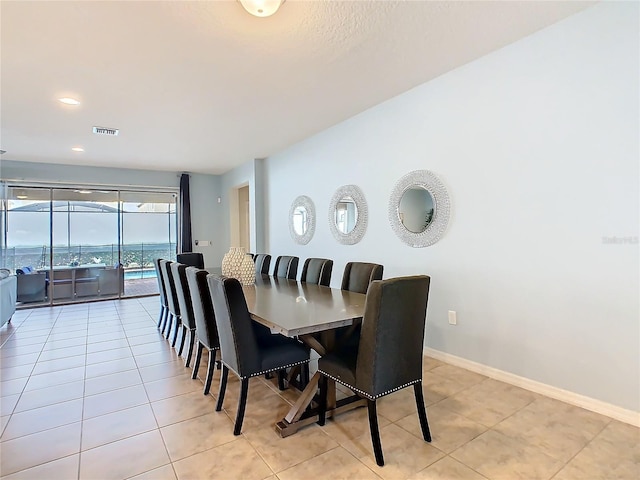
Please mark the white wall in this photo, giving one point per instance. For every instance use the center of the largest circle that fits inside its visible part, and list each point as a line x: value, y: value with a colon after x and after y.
x: 252, y: 174
x: 522, y: 138
x: 206, y: 213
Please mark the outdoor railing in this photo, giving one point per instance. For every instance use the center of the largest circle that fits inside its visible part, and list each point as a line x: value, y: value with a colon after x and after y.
x: 133, y: 256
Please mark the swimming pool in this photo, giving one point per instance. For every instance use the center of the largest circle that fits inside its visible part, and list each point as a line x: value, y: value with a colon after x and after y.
x: 138, y: 274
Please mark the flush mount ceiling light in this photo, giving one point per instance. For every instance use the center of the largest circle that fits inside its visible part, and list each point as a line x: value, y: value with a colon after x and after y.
x: 261, y: 8
x: 77, y: 149
x: 69, y: 101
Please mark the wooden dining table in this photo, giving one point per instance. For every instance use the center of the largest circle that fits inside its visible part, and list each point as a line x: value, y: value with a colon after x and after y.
x: 311, y: 313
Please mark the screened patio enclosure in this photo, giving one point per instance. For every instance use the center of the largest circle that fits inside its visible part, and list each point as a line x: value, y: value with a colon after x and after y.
x: 78, y: 244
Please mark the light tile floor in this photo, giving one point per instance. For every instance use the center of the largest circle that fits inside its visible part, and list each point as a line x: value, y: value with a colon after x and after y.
x: 93, y: 391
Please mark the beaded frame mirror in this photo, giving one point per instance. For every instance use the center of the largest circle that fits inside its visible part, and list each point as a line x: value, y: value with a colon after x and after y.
x: 437, y: 221
x: 348, y: 232
x: 302, y: 220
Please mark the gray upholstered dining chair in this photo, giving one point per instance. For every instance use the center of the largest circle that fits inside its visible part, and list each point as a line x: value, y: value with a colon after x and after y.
x: 388, y: 356
x: 286, y: 267
x: 317, y: 270
x: 245, y: 349
x: 262, y: 261
x: 206, y: 329
x: 191, y: 259
x: 164, y: 307
x: 186, y: 308
x: 358, y: 275
x: 172, y: 300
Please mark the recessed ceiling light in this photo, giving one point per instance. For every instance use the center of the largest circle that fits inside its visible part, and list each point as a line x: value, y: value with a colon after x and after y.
x: 69, y: 101
x: 83, y: 191
x: 77, y: 149
x: 21, y: 197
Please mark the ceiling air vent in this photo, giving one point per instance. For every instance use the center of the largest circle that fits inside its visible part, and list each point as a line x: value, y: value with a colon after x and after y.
x: 106, y: 131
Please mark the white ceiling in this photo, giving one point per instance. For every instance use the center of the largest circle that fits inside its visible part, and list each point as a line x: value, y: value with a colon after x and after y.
x: 204, y: 86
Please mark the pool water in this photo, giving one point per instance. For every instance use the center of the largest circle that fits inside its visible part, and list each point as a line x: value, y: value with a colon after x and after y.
x: 138, y: 274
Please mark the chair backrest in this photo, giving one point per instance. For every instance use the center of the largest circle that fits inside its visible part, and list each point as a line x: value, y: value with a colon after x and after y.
x: 159, y: 276
x: 179, y: 272
x: 203, y: 314
x: 240, y: 351
x: 170, y: 287
x: 392, y: 336
x: 317, y: 270
x: 191, y: 259
x: 358, y: 275
x: 286, y: 267
x: 262, y: 261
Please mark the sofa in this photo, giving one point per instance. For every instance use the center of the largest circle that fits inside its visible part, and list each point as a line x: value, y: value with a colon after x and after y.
x: 32, y: 285
x: 8, y: 289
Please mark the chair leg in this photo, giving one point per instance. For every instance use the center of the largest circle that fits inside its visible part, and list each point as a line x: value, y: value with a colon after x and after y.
x: 196, y: 365
x: 375, y: 432
x: 164, y: 319
x: 242, y: 403
x: 422, y: 412
x: 161, y: 316
x: 192, y: 339
x: 184, y: 337
x: 304, y: 376
x: 167, y: 334
x: 211, y: 366
x: 322, y: 408
x: 281, y: 374
x: 175, y: 332
x: 223, y: 387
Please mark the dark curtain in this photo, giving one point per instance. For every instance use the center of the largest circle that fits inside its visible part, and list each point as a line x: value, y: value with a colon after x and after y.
x: 185, y: 216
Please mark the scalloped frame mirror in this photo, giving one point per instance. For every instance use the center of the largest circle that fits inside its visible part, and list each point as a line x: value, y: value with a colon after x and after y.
x: 348, y: 214
x: 419, y: 208
x: 302, y: 220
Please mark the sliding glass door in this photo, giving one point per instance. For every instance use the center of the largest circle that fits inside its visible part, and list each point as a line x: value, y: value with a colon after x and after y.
x: 148, y: 232
x: 82, y: 244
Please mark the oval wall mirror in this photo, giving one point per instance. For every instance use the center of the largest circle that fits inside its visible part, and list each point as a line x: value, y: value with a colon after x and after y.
x: 302, y: 220
x: 348, y: 214
x: 419, y: 208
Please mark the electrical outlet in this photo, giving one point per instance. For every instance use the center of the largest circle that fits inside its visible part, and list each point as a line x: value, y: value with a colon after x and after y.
x: 453, y: 320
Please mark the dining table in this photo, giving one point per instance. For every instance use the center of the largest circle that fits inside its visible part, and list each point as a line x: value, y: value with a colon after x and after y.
x: 310, y: 313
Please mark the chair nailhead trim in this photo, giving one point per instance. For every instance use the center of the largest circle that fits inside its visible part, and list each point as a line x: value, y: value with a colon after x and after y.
x: 274, y: 369
x: 365, y: 394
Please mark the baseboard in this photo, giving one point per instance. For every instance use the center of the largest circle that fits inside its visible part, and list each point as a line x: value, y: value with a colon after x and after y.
x: 597, y: 406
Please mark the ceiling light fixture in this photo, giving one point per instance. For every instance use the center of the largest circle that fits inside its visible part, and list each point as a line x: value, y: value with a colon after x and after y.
x: 77, y: 149
x: 69, y: 101
x: 83, y: 191
x: 261, y: 8
x: 21, y: 197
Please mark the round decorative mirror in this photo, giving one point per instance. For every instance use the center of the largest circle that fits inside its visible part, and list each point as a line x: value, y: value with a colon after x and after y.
x: 302, y: 220
x: 419, y: 208
x: 348, y: 214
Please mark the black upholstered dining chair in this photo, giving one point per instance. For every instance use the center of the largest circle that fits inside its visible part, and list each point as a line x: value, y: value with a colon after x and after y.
x: 286, y: 267
x: 245, y: 349
x: 164, y: 307
x: 262, y: 261
x: 206, y: 329
x: 172, y: 300
x: 388, y: 356
x: 186, y: 308
x: 191, y: 259
x: 317, y: 270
